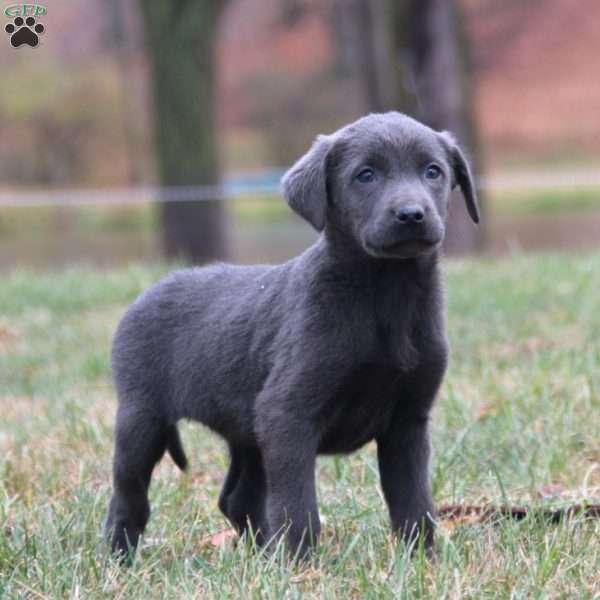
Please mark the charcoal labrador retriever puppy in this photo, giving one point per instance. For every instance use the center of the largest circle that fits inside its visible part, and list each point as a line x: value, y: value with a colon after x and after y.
x: 341, y: 345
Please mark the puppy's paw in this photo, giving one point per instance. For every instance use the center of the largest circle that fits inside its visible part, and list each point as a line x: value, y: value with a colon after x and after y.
x: 122, y: 537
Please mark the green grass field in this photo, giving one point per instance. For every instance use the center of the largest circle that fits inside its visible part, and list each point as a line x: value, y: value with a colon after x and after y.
x: 519, y: 409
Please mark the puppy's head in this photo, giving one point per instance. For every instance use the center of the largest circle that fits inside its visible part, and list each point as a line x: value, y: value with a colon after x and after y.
x: 385, y: 181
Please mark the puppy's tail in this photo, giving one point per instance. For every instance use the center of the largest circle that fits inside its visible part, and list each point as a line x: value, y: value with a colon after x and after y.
x: 176, y: 449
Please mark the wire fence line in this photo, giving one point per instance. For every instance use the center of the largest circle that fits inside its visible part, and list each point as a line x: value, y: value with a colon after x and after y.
x: 125, y: 195
x: 257, y: 184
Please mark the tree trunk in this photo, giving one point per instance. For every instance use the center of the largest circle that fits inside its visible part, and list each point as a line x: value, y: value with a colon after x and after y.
x: 440, y: 63
x: 362, y: 36
x: 180, y: 38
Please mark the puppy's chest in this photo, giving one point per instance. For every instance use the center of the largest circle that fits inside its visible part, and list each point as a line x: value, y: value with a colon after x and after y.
x: 360, y: 409
x: 395, y: 344
x: 397, y: 338
x: 368, y: 394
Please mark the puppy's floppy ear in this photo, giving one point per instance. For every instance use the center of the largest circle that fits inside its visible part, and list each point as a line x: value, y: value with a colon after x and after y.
x: 305, y: 184
x: 462, y: 174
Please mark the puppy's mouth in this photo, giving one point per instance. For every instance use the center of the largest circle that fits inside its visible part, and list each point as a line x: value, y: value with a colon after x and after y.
x: 403, y: 248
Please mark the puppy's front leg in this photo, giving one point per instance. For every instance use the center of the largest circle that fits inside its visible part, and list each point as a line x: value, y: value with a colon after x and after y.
x: 288, y: 421
x: 289, y: 454
x: 403, y: 454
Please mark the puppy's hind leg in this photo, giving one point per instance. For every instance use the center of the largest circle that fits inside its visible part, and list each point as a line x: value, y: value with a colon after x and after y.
x: 140, y: 442
x: 242, y: 499
x: 231, y: 480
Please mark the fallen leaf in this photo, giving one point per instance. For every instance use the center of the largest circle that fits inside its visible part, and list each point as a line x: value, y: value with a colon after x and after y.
x: 552, y: 490
x: 8, y: 338
x: 219, y: 539
x: 487, y: 409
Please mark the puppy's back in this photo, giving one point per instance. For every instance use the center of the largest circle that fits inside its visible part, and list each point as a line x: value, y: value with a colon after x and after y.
x: 182, y: 345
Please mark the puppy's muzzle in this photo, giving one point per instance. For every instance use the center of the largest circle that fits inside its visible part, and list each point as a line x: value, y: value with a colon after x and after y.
x: 406, y: 229
x: 413, y: 222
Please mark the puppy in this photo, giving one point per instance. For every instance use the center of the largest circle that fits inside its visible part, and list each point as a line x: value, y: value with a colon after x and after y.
x: 341, y: 345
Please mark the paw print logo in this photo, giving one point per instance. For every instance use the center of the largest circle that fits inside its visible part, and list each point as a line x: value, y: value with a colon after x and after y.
x: 24, y: 32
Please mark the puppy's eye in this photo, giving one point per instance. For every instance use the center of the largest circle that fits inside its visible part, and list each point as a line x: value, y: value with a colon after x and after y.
x: 366, y: 175
x: 433, y: 172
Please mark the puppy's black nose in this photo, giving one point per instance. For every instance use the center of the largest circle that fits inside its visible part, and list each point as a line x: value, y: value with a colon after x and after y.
x: 410, y: 214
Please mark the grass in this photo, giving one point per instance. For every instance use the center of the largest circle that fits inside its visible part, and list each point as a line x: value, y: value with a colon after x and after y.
x: 519, y: 410
x: 544, y: 202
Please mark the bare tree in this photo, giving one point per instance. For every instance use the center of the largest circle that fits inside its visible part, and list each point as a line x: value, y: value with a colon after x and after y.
x: 180, y: 39
x: 363, y: 41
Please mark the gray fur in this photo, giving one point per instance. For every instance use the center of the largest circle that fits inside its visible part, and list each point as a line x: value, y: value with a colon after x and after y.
x: 341, y: 345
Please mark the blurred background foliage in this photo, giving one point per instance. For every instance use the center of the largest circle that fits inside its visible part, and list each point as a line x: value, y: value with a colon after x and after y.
x: 77, y: 112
